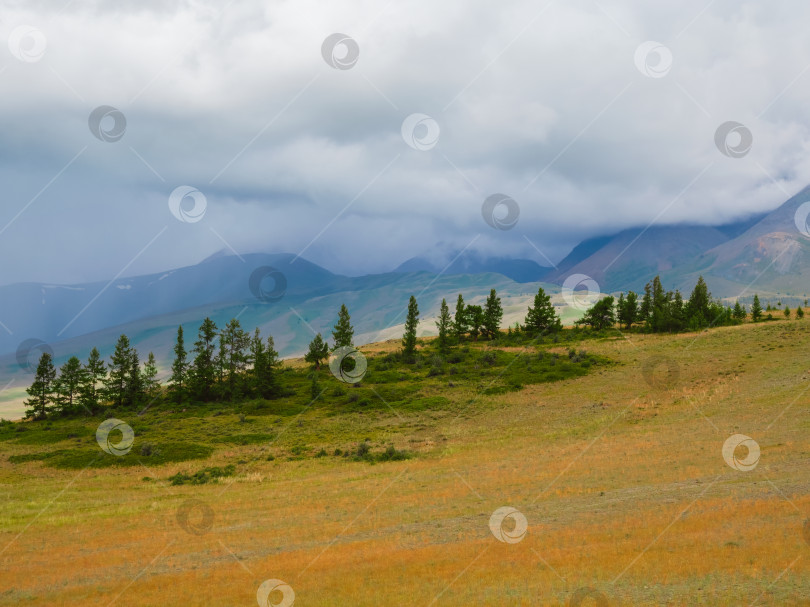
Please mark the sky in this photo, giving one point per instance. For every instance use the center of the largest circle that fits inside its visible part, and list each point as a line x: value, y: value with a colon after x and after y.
x: 138, y: 136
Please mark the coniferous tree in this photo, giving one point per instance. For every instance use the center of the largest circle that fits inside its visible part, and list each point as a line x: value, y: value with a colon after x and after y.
x: 541, y: 317
x: 677, y: 313
x: 41, y: 390
x: 68, y: 384
x: 600, y: 315
x: 475, y: 318
x: 95, y: 374
x: 120, y: 366
x: 756, y: 309
x: 343, y: 332
x: 151, y: 386
x: 645, y: 309
x: 493, y: 313
x: 219, y: 366
x: 409, y: 337
x: 135, y: 384
x: 697, y: 310
x: 444, y: 326
x: 178, y: 382
x: 461, y: 325
x: 787, y: 312
x: 203, y: 373
x: 799, y: 312
x: 627, y: 310
x: 739, y: 312
x: 318, y: 351
x: 264, y: 382
x: 236, y: 341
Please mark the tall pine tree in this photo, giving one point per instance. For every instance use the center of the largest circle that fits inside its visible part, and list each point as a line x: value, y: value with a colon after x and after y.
x: 461, y: 325
x: 178, y: 380
x: 120, y: 365
x: 203, y: 373
x: 237, y: 342
x: 68, y: 385
x: 444, y: 326
x: 42, y: 390
x: 95, y: 374
x: 151, y: 386
x: 343, y: 332
x: 409, y: 337
x: 541, y: 317
x: 493, y: 313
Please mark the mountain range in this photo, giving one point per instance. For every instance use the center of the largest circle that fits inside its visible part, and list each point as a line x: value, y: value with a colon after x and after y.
x: 292, y: 299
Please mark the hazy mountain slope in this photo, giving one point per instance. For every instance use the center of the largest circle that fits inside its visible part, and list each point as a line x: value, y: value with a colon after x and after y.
x: 469, y: 262
x: 55, y: 312
x: 632, y: 257
x: 772, y: 256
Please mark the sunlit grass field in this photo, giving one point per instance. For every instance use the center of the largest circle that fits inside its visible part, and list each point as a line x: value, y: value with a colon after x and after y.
x: 617, y: 468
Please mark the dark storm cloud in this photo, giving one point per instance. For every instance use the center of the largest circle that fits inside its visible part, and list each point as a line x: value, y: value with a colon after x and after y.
x: 546, y: 105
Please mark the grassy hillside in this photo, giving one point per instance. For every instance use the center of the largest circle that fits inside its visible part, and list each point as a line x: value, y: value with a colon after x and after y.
x: 383, y: 494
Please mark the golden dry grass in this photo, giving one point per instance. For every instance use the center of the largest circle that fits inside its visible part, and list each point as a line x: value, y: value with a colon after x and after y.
x: 623, y: 486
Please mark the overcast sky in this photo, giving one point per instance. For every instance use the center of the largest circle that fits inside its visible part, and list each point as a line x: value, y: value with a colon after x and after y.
x: 592, y: 115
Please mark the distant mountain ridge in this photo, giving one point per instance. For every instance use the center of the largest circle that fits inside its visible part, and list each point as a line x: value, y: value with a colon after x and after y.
x: 471, y: 262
